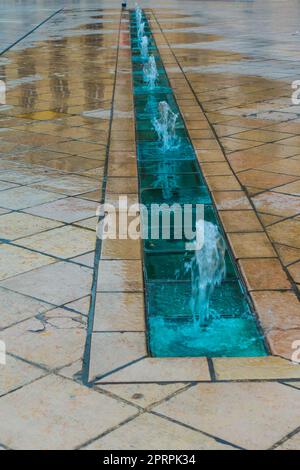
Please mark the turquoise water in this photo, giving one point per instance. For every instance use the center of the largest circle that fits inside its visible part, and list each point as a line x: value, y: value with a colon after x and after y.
x: 232, y: 330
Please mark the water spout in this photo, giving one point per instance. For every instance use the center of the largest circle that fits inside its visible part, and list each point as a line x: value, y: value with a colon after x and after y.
x: 150, y: 72
x: 165, y: 125
x: 138, y: 14
x: 208, y: 270
x: 166, y: 179
x: 139, y: 23
x: 141, y: 30
x: 144, y: 47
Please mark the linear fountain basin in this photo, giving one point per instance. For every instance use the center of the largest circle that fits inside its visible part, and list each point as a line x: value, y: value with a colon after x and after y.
x: 173, y: 176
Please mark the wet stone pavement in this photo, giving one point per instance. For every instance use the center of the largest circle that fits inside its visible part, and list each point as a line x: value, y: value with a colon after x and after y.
x: 67, y: 142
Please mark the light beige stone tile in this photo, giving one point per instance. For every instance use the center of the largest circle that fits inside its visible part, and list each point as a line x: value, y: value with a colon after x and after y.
x: 69, y: 185
x: 286, y: 232
x: 4, y: 185
x: 66, y: 210
x: 291, y: 188
x: 223, y: 183
x: 15, y: 174
x: 277, y: 204
x: 268, y: 219
x: 24, y: 197
x: 155, y: 433
x: 95, y: 173
x: 163, y: 370
x: 287, y: 254
x: 54, y: 340
x: 284, y: 343
x: 55, y: 413
x: 73, y: 371
x: 114, y: 200
x: 73, y: 147
x: 15, y: 225
x: 294, y: 271
x: 240, y: 413
x: 16, y: 307
x: 58, y: 283
x: 64, y: 242
x: 231, y: 200
x: 92, y: 195
x: 16, y: 373
x: 3, y: 211
x: 90, y: 223
x: 291, y: 444
x: 263, y: 273
x: 251, y: 245
x: 86, y: 259
x: 14, y: 260
x: 121, y: 249
x: 118, y: 170
x: 122, y: 185
x: 240, y: 221
x: 115, y: 311
x: 277, y: 309
x: 294, y: 384
x: 120, y: 275
x: 142, y: 394
x: 264, y: 179
x: 250, y: 368
x: 109, y: 351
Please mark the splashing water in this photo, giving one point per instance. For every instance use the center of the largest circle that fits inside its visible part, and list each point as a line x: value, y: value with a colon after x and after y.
x: 165, y: 128
x: 166, y: 180
x: 208, y: 270
x: 141, y: 30
x: 165, y: 125
x: 140, y: 24
x: 144, y: 47
x: 150, y: 72
x: 138, y: 14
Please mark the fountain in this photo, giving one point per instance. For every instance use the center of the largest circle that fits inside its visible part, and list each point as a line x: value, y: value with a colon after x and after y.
x: 150, y: 72
x: 144, y: 47
x: 165, y: 128
x: 208, y: 270
x: 166, y: 180
x: 138, y: 14
x: 192, y: 310
x: 141, y: 30
x: 165, y: 125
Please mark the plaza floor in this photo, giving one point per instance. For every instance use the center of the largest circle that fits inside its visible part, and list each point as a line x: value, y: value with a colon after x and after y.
x: 78, y: 374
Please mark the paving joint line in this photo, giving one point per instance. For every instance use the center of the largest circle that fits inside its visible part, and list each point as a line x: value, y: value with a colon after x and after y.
x: 91, y: 314
x: 216, y: 438
x: 286, y: 438
x: 32, y: 31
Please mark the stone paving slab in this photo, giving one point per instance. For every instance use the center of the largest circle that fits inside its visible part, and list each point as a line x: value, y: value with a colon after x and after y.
x: 256, y: 368
x: 161, y: 434
x: 55, y: 413
x: 57, y: 283
x: 152, y: 369
x: 233, y: 404
x: 17, y: 373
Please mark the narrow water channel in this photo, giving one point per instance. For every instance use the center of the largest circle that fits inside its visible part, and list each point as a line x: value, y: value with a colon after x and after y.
x: 196, y: 304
